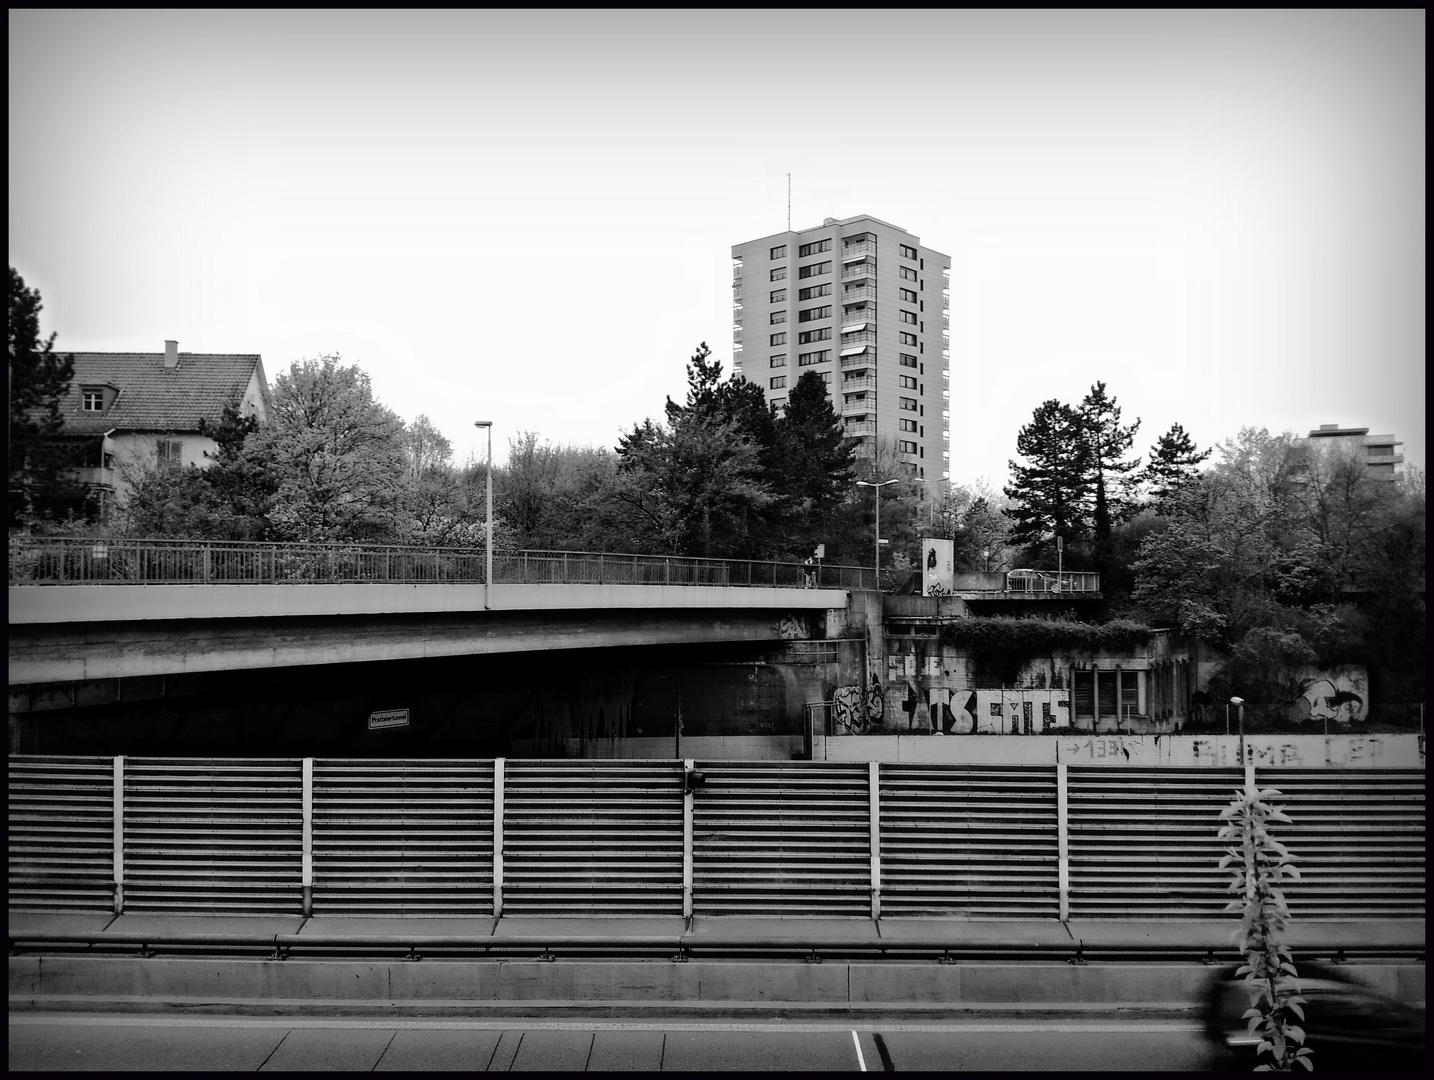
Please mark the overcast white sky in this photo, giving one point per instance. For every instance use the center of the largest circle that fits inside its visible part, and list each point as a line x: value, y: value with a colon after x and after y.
x: 528, y: 216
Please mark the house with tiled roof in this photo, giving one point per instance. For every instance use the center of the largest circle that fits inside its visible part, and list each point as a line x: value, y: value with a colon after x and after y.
x: 134, y: 411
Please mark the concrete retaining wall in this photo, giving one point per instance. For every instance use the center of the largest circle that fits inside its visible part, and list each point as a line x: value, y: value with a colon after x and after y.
x: 1184, y: 751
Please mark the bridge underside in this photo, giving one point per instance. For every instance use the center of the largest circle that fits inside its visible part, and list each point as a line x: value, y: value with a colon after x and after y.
x: 75, y: 652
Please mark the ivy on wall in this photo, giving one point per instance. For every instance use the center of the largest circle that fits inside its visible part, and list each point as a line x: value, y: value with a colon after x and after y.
x: 1003, y: 645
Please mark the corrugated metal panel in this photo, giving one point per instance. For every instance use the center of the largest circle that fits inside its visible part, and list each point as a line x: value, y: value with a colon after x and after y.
x: 974, y: 841
x: 592, y: 838
x: 782, y: 838
x: 1143, y: 842
x: 61, y: 834
x: 213, y: 835
x: 403, y: 837
x: 1358, y: 838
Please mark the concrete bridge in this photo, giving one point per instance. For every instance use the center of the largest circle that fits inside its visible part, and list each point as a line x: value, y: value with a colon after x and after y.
x: 81, y: 609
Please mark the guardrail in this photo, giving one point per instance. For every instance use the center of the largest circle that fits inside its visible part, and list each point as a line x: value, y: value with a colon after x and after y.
x: 103, y: 561
x: 1046, y: 581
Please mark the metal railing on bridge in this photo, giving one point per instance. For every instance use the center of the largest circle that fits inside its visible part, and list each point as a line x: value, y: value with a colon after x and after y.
x: 103, y: 561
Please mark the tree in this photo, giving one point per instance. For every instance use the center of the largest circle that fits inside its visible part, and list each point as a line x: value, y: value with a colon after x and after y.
x: 1173, y: 461
x: 227, y: 500
x: 1051, y: 496
x: 1108, y: 442
x: 425, y: 447
x: 39, y: 379
x: 339, y: 454
x: 818, y: 462
x: 690, y: 488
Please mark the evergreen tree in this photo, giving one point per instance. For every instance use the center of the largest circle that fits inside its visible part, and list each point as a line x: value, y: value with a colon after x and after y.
x: 1051, y: 496
x: 1173, y: 460
x: 1109, y: 442
x: 39, y: 379
x: 816, y: 465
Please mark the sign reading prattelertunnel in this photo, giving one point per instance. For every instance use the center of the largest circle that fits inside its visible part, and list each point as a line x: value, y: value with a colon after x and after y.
x: 387, y: 718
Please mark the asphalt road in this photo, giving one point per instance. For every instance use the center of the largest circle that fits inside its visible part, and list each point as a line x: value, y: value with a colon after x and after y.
x: 42, y: 1041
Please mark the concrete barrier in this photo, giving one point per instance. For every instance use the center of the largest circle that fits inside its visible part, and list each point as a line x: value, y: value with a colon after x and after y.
x: 1380, y: 751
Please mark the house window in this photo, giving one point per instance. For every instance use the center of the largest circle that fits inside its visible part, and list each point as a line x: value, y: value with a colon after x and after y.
x: 820, y: 356
x: 778, y: 295
x: 908, y: 425
x: 907, y: 339
x: 92, y: 400
x: 908, y: 295
x: 909, y: 317
x: 811, y: 292
x: 815, y: 270
x: 814, y: 248
x: 907, y: 360
x: 779, y: 360
x: 810, y: 336
x: 779, y: 274
x: 778, y: 317
x: 826, y: 376
x: 778, y: 382
x: 908, y: 404
x: 778, y: 402
x: 907, y: 251
x: 809, y: 314
x: 908, y: 383
x: 906, y: 447
x: 780, y: 251
x: 906, y: 273
x: 168, y: 453
x: 778, y: 339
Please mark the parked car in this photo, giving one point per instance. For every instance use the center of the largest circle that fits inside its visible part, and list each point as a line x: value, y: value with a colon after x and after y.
x: 1347, y: 1024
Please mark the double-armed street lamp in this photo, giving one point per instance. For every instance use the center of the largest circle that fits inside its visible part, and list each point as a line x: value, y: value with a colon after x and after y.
x: 878, y: 486
x: 487, y: 425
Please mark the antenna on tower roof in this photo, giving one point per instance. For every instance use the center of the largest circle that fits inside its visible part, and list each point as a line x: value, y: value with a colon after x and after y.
x: 789, y: 202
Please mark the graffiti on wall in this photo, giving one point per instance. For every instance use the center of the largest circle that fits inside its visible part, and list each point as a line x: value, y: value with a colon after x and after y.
x: 855, y: 709
x: 793, y: 628
x: 1340, y: 694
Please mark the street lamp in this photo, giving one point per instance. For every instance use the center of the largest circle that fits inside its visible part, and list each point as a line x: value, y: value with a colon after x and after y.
x: 1239, y: 704
x: 487, y: 425
x: 878, y: 486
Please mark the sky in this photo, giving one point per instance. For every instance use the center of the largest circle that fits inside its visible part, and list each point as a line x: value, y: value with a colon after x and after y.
x: 527, y: 217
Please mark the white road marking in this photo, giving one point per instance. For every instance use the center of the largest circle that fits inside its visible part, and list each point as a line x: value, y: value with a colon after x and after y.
x: 520, y: 1024
x: 859, y: 1059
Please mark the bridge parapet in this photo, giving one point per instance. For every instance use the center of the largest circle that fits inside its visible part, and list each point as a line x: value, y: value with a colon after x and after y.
x: 107, y: 561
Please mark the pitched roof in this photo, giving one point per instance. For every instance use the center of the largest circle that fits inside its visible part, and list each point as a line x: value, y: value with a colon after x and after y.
x: 155, y: 398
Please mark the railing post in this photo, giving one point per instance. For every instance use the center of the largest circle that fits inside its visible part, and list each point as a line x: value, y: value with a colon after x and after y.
x: 119, y: 834
x: 1063, y: 842
x: 498, y: 837
x: 1249, y: 775
x: 874, y: 787
x: 308, y: 838
x: 687, y: 801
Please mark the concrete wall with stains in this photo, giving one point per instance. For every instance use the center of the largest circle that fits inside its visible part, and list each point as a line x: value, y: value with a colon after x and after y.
x: 1174, y: 751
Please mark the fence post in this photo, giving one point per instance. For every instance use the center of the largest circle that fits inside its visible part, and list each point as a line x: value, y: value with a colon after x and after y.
x: 119, y: 834
x: 497, y: 837
x: 686, y: 840
x: 308, y: 837
x: 874, y: 787
x: 1063, y: 842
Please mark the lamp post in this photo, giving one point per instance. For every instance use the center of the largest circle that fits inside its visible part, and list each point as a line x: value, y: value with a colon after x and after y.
x: 1239, y: 704
x: 878, y: 486
x: 487, y: 425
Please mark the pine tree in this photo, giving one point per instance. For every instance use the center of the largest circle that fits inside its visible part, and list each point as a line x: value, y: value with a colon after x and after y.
x: 39, y: 379
x: 815, y: 464
x: 1172, y: 465
x: 1109, y: 442
x: 1051, y: 496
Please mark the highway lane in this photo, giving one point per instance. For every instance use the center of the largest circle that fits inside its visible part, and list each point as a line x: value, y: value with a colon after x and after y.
x: 87, y: 1042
